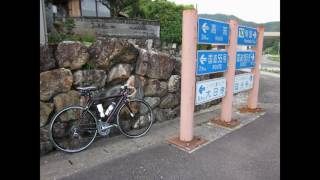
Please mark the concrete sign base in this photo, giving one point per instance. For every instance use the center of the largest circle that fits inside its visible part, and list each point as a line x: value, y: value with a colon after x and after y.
x: 249, y: 110
x: 187, y: 145
x: 231, y: 124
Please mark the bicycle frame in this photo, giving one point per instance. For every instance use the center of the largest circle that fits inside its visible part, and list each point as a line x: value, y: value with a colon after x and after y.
x: 123, y: 99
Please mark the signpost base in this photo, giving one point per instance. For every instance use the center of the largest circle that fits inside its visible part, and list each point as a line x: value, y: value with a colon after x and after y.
x: 232, y: 124
x: 187, y: 145
x: 249, y: 110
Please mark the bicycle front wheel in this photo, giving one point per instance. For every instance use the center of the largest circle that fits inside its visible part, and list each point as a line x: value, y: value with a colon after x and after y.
x: 73, y: 129
x: 135, y: 118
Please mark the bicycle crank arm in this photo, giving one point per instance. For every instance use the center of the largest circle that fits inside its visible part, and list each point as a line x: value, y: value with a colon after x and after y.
x: 110, y: 126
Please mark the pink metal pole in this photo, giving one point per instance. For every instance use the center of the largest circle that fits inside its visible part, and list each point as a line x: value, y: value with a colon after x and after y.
x: 226, y: 105
x: 253, y: 93
x: 188, y: 67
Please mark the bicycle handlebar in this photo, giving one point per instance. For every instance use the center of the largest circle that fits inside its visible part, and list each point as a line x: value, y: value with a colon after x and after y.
x: 130, y: 87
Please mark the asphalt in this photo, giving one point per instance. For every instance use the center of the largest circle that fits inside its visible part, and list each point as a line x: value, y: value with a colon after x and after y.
x: 268, y: 63
x: 248, y: 153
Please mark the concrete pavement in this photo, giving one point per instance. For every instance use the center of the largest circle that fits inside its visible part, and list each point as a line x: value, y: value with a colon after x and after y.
x: 269, y: 65
x: 250, y: 152
x: 266, y: 62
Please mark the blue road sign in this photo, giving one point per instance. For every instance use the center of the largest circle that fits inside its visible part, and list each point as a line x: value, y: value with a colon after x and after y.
x: 201, y: 89
x: 211, y: 61
x: 247, y: 36
x: 243, y: 82
x: 212, y: 32
x: 245, y: 59
x: 209, y: 90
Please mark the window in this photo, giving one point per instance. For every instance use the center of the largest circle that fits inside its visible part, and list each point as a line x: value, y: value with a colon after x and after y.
x: 94, y: 9
x: 103, y: 11
x: 88, y: 8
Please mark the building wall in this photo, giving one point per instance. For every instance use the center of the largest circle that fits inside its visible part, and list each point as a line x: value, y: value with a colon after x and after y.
x: 128, y: 28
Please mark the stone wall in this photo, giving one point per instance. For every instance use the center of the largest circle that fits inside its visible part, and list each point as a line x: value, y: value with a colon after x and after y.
x: 113, y: 62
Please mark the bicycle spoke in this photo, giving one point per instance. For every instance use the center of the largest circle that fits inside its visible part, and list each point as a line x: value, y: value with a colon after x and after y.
x: 72, y: 130
x: 139, y: 123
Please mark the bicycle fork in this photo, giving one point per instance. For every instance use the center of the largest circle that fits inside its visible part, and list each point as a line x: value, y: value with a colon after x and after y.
x: 130, y: 110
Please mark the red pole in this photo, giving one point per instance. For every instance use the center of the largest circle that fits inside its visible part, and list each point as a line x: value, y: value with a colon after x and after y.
x: 254, y: 92
x: 226, y: 106
x: 188, y: 67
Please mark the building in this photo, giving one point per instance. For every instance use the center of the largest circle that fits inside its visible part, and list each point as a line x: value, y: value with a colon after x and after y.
x: 88, y: 8
x: 92, y: 18
x: 78, y: 8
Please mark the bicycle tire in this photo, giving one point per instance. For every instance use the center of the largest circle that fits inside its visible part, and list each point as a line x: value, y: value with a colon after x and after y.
x: 120, y: 120
x: 60, y: 114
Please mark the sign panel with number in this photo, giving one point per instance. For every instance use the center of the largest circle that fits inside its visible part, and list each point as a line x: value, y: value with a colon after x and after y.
x: 209, y: 90
x: 243, y: 82
x: 211, y: 62
x: 212, y: 32
x: 245, y: 59
x: 247, y: 36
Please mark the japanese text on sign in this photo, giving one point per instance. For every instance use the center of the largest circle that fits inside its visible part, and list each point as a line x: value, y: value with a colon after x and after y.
x: 212, y: 32
x: 209, y: 90
x: 247, y: 36
x: 243, y: 82
x: 245, y: 59
x: 211, y: 62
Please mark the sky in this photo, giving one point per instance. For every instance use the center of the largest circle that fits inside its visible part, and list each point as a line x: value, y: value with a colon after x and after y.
x: 258, y: 11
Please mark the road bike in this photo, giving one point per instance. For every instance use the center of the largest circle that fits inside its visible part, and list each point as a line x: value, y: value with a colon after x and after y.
x: 75, y: 127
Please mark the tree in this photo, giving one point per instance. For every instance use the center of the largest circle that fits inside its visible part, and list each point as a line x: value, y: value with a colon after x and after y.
x: 168, y: 13
x: 116, y: 6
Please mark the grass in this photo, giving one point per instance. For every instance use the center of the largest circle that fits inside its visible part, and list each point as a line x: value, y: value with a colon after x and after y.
x: 274, y: 57
x: 63, y: 32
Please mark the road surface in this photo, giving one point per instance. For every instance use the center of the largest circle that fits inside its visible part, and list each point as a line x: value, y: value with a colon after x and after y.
x: 249, y: 153
x: 267, y: 63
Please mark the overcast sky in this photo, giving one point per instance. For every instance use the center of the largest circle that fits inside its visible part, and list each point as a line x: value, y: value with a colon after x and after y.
x: 259, y: 11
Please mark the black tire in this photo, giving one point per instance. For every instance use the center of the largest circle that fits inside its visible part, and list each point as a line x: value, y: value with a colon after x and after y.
x: 138, y: 125
x: 73, y: 123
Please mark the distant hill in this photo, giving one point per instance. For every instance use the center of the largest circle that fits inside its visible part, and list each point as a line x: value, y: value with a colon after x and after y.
x: 272, y: 26
x: 269, y: 26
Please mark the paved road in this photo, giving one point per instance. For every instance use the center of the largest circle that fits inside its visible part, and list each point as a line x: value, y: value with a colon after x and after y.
x: 267, y: 63
x: 250, y: 153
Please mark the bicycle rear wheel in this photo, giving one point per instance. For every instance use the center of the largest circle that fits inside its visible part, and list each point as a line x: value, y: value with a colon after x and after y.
x: 73, y: 129
x: 139, y: 122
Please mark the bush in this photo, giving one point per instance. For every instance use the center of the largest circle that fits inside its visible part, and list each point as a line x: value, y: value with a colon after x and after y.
x: 271, y: 45
x: 87, y: 37
x: 271, y: 50
x: 168, y: 13
x: 54, y: 37
x: 63, y: 32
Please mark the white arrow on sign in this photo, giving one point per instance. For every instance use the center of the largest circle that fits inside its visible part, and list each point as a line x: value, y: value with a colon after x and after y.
x: 254, y: 34
x: 203, y: 59
x: 205, y: 27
